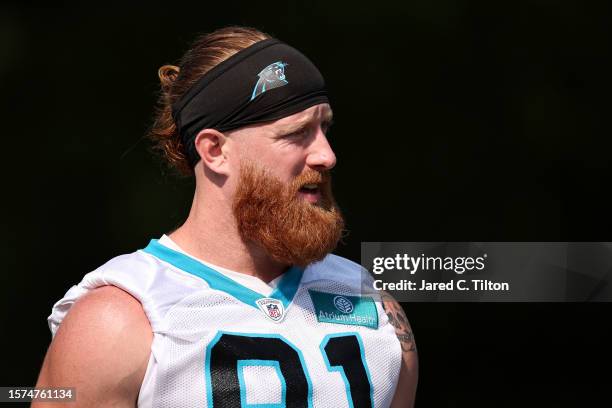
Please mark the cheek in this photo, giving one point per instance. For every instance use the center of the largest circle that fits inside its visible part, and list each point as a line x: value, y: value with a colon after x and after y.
x: 286, y: 166
x: 284, y: 160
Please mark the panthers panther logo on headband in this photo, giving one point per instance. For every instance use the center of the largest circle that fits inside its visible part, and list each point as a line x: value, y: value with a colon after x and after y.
x: 272, y: 76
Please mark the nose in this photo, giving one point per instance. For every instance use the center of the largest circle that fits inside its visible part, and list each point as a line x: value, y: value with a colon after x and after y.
x: 321, y: 156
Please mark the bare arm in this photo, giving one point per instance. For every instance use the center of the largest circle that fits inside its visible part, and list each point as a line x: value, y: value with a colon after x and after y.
x: 102, y: 349
x: 409, y: 372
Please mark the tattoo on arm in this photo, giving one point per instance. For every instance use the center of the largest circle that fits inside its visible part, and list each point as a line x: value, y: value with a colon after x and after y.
x: 398, y: 319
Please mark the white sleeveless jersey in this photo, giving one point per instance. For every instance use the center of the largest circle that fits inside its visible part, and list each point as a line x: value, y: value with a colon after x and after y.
x: 316, y: 341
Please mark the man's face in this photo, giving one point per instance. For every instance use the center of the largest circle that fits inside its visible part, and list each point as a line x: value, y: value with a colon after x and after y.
x: 282, y: 199
x: 288, y: 147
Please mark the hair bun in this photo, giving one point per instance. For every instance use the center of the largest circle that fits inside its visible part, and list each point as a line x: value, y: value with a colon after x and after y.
x: 167, y: 75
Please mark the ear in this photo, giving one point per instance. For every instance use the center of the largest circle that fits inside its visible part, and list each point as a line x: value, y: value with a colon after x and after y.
x: 211, y: 146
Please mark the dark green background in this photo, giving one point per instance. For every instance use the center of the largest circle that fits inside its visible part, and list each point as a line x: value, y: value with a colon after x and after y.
x: 469, y: 120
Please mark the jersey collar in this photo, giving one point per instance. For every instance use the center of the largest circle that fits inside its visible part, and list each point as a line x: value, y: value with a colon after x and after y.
x: 284, y: 292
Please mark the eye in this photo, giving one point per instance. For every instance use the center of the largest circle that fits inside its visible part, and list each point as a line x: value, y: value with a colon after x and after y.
x: 298, y: 134
x: 326, y: 125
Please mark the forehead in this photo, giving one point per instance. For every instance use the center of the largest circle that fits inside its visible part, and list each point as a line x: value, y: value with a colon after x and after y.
x: 317, y: 113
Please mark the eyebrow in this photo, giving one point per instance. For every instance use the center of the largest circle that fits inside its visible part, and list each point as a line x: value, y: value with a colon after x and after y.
x: 293, y: 127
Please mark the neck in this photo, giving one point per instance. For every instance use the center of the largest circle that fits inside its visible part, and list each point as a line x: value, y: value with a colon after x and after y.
x: 210, y: 233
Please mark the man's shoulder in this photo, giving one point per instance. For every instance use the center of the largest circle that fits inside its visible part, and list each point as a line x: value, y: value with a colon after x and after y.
x: 338, y: 269
x: 140, y: 269
x: 126, y: 271
x: 134, y: 261
x: 149, y: 280
x: 105, y: 337
x: 107, y: 307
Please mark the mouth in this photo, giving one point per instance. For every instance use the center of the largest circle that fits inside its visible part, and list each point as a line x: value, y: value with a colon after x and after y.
x: 310, y: 193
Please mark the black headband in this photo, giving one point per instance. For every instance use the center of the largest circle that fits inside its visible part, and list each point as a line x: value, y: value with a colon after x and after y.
x: 266, y: 81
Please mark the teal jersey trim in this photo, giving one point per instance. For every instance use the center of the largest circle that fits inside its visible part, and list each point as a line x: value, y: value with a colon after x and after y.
x: 284, y: 292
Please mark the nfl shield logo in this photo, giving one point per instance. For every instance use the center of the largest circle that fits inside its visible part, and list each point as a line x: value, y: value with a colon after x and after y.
x: 272, y: 308
x: 273, y: 311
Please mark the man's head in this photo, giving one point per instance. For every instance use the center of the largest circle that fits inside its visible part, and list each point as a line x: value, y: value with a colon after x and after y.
x: 264, y: 151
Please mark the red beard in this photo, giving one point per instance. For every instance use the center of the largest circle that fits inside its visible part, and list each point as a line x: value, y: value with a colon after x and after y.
x: 290, y: 229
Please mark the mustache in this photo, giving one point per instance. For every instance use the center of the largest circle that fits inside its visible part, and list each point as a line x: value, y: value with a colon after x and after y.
x: 322, y: 178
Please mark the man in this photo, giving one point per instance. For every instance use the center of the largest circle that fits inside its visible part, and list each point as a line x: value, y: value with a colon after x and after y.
x: 242, y: 305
